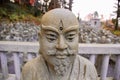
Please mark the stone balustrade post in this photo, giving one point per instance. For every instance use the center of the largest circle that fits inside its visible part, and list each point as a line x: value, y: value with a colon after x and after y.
x: 17, y: 65
x: 104, y: 67
x: 93, y: 58
x: 4, y: 64
x: 117, y: 68
x: 29, y: 56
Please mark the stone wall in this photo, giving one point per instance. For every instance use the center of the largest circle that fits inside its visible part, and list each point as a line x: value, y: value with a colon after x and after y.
x: 102, y: 36
x: 19, y: 31
x: 27, y: 31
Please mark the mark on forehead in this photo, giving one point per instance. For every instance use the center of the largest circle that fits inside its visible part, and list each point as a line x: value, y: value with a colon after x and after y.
x: 61, y: 25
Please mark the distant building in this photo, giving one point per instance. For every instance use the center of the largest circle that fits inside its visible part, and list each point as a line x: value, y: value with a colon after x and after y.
x: 95, y: 23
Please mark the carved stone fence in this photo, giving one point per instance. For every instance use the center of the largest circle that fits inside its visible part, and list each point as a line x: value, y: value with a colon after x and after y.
x: 31, y: 49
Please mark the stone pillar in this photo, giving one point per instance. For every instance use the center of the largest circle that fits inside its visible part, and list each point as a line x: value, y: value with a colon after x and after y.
x: 104, y: 67
x: 92, y: 58
x: 4, y: 66
x: 29, y: 56
x: 17, y: 65
x: 117, y: 69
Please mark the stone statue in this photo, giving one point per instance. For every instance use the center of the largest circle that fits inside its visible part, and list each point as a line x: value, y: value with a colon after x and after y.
x: 58, y: 58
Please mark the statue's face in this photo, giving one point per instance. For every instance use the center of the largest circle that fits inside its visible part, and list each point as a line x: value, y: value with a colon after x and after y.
x: 59, y: 45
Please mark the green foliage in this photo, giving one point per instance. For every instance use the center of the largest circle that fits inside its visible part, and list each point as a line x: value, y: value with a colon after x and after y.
x: 11, y: 7
x: 14, y: 17
x: 113, y: 20
x: 34, y: 10
x: 3, y: 12
x: 16, y: 12
x: 116, y: 32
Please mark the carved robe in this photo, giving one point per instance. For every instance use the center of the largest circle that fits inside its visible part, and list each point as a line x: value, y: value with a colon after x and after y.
x: 36, y: 69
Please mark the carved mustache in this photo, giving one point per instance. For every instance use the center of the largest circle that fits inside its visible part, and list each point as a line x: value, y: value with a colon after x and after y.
x: 61, y: 53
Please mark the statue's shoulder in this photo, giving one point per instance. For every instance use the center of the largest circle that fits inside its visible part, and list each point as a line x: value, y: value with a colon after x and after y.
x: 84, y: 60
x: 32, y: 64
x: 87, y: 67
x: 34, y: 69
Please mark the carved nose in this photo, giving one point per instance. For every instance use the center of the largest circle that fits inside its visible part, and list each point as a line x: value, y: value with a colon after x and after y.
x: 61, y: 45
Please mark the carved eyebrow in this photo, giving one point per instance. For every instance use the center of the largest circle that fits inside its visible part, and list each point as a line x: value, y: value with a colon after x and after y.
x: 56, y: 30
x: 71, y: 28
x: 49, y: 28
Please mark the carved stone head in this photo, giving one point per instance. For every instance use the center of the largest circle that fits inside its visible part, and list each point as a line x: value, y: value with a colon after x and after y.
x: 59, y: 39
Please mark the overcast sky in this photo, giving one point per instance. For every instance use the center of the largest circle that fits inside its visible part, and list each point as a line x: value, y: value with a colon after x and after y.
x: 84, y: 7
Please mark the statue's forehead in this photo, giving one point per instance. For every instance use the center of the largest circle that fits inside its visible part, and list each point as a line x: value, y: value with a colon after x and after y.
x: 59, y: 22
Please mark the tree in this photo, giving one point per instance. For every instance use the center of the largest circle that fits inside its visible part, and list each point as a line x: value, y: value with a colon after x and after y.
x: 118, y: 14
x: 3, y: 2
x: 54, y: 4
x: 61, y: 3
x: 70, y: 4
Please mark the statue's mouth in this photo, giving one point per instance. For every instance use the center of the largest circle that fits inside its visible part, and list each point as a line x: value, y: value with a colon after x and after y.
x: 61, y: 56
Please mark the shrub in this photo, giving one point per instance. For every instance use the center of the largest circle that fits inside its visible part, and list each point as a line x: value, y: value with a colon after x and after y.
x: 116, y: 32
x: 16, y: 12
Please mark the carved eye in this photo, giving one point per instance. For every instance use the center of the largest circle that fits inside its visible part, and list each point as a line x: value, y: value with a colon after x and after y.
x: 70, y: 36
x: 51, y: 36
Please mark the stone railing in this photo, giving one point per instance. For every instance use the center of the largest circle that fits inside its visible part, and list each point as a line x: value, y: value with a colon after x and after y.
x: 30, y: 48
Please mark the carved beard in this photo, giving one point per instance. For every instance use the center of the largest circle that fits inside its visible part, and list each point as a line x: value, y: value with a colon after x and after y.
x: 61, y: 64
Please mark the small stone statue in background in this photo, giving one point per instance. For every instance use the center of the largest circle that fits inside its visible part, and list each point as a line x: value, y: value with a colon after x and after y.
x: 59, y: 59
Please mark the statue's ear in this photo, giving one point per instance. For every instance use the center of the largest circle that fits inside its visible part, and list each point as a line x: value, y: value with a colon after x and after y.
x: 39, y: 34
x: 39, y: 39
